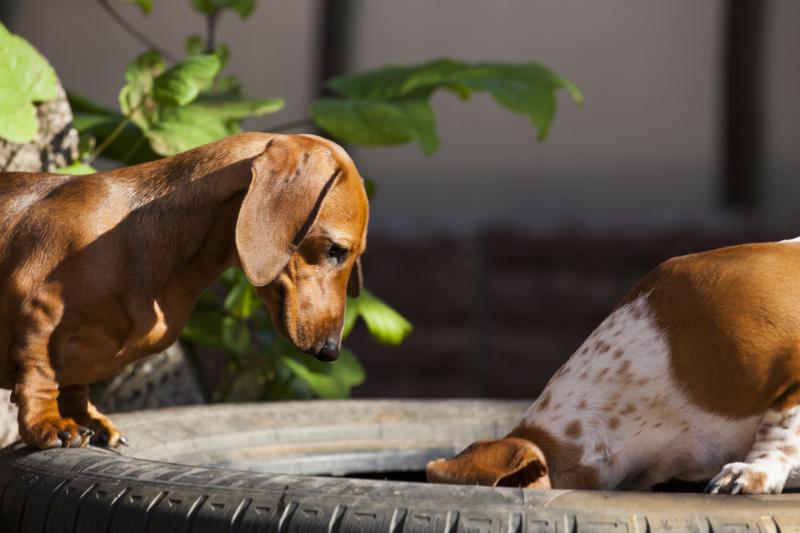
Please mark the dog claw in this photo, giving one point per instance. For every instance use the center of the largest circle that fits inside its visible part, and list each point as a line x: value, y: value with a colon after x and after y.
x: 64, y: 436
x: 101, y: 439
x: 123, y: 440
x: 84, y: 432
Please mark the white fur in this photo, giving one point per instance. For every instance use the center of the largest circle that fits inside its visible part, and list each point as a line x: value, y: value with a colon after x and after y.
x: 796, y: 239
x: 772, y: 462
x: 637, y: 426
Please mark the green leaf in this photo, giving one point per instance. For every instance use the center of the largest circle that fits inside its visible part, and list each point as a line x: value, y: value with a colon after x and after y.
x: 327, y: 380
x: 17, y: 125
x: 384, y: 323
x: 183, y: 128
x: 243, y: 7
x: 76, y: 169
x: 25, y: 77
x: 365, y: 122
x: 204, y: 121
x: 134, y: 100
x: 391, y: 105
x: 235, y: 335
x: 194, y: 45
x: 241, y: 301
x: 145, y: 5
x: 182, y: 83
x: 223, y: 52
x: 205, y: 324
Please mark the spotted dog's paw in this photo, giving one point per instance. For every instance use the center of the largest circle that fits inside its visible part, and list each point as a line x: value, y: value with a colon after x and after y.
x: 748, y: 478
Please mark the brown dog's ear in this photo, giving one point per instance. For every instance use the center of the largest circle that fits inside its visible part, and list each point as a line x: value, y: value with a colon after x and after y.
x: 508, y: 462
x: 283, y: 201
x: 356, y: 281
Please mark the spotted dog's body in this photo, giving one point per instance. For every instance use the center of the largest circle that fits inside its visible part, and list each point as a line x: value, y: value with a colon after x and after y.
x: 695, y: 376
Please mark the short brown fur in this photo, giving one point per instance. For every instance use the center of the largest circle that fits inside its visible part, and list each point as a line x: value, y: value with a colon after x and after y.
x: 98, y: 271
x: 732, y: 321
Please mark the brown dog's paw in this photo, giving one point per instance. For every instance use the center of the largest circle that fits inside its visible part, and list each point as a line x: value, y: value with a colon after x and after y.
x: 56, y: 433
x: 104, y: 433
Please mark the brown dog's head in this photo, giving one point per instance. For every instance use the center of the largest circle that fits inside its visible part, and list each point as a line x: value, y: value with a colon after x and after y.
x: 508, y: 462
x: 300, y: 231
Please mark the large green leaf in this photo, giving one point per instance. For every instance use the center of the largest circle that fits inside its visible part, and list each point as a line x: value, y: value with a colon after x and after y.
x: 384, y: 323
x: 391, y: 105
x: 367, y: 122
x: 183, y: 128
x: 183, y: 82
x: 327, y: 380
x: 134, y: 97
x: 25, y: 77
x: 17, y: 124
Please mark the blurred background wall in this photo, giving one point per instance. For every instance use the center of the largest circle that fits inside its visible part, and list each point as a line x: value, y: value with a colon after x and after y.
x: 504, y: 251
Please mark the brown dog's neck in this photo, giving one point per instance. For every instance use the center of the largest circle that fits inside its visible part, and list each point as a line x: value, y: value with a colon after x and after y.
x: 563, y: 459
x: 184, y: 211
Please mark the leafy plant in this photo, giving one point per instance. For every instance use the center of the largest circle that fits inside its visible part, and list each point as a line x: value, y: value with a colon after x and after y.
x: 25, y: 77
x: 391, y: 105
x: 168, y: 105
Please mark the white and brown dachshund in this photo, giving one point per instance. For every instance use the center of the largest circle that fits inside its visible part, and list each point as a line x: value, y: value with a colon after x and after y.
x: 695, y: 375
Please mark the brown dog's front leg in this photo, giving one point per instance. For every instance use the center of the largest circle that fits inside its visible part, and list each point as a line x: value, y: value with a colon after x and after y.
x: 73, y: 402
x: 40, y: 422
x: 36, y: 384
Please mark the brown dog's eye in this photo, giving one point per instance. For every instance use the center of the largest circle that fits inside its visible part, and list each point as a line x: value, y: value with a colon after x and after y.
x: 337, y: 253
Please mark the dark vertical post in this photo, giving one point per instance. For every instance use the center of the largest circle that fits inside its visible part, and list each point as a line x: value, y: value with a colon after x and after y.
x: 8, y: 11
x: 335, y: 25
x: 742, y: 103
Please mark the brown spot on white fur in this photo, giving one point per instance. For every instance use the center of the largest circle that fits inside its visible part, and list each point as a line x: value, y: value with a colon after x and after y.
x: 574, y: 429
x: 545, y: 401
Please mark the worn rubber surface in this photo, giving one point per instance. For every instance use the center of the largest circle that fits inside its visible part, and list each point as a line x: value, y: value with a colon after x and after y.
x: 146, y: 489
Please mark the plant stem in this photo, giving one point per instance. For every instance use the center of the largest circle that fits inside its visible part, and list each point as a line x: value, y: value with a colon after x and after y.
x: 211, y: 30
x: 293, y: 125
x: 132, y: 31
x: 133, y: 149
x: 114, y: 134
x: 108, y: 140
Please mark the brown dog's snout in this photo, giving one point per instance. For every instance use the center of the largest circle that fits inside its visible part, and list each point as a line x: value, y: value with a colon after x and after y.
x: 329, y: 350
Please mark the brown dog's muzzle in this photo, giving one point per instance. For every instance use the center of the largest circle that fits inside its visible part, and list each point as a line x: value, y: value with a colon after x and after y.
x: 328, y: 351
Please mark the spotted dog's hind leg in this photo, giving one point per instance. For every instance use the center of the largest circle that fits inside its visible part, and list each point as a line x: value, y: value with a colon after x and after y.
x: 775, y: 454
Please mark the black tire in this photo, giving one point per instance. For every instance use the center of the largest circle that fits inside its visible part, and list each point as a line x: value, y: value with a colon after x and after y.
x: 144, y: 489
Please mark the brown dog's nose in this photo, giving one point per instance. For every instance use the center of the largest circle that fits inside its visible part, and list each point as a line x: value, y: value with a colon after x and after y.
x: 329, y: 351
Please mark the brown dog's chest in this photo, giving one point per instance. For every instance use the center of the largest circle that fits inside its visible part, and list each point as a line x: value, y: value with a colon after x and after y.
x: 97, y: 346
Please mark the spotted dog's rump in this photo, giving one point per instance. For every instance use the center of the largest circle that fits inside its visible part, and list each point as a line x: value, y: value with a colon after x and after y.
x: 695, y: 375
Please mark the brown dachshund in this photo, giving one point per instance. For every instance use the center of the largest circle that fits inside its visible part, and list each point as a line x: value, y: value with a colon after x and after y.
x: 98, y: 271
